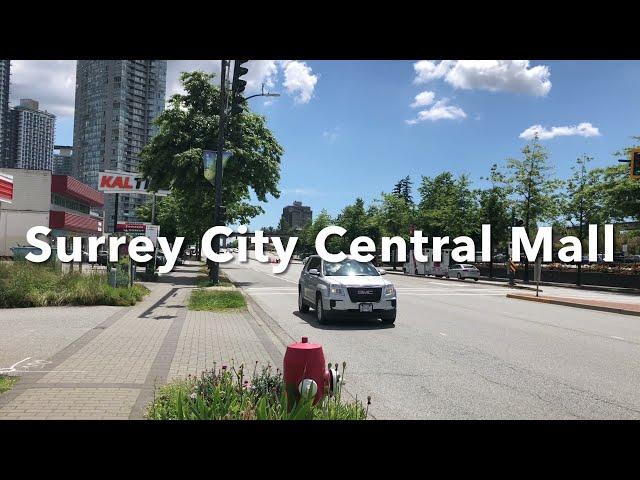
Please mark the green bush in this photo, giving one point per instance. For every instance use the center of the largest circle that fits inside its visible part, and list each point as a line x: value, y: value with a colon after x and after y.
x: 24, y: 284
x: 223, y: 394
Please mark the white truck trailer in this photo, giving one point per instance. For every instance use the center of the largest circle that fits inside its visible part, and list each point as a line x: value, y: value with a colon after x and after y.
x: 437, y: 269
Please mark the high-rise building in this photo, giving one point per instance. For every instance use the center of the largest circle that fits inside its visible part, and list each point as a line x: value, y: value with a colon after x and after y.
x: 297, y: 215
x: 62, y: 160
x: 116, y: 103
x: 5, y: 67
x: 31, y: 136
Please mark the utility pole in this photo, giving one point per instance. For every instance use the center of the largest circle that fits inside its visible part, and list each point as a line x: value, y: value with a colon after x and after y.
x: 512, y: 280
x: 215, y: 267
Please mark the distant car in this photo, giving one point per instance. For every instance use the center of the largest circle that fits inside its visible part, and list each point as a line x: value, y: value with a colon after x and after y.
x: 103, y: 257
x: 345, y: 289
x: 179, y: 261
x: 160, y: 259
x: 463, y: 271
x: 500, y: 257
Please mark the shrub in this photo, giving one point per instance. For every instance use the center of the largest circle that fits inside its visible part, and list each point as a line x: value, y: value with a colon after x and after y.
x: 224, y: 394
x: 23, y: 284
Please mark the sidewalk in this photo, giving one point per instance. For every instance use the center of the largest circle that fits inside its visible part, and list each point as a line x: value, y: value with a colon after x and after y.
x: 110, y: 372
x: 504, y: 282
x: 587, y: 303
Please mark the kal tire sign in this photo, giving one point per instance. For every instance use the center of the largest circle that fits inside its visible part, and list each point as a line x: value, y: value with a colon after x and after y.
x: 123, y: 182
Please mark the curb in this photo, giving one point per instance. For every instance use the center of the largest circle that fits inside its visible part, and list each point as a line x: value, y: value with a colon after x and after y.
x: 482, y: 281
x: 602, y: 308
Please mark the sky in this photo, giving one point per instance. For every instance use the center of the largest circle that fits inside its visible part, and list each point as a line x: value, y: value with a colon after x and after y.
x: 353, y: 128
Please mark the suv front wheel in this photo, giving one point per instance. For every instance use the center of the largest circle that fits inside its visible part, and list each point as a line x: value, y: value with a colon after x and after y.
x: 302, y: 305
x: 321, y: 314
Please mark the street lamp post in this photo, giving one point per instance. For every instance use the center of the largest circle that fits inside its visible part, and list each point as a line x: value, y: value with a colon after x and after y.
x: 215, y: 268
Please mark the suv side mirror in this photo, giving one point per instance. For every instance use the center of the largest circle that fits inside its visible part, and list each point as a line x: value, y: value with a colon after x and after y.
x: 382, y: 271
x: 313, y: 271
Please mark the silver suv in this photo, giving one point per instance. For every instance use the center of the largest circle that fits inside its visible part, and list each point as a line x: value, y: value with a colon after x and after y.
x: 345, y: 289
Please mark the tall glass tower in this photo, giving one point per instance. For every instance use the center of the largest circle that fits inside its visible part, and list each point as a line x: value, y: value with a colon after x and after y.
x: 5, y: 66
x: 115, y: 105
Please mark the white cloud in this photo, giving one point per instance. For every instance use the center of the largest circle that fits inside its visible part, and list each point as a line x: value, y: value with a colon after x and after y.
x: 441, y: 110
x: 331, y: 135
x: 50, y: 82
x: 260, y: 71
x: 584, y: 129
x: 423, y: 99
x: 299, y: 80
x: 515, y: 76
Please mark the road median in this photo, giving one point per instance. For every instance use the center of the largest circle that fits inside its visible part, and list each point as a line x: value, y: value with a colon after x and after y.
x: 589, y: 304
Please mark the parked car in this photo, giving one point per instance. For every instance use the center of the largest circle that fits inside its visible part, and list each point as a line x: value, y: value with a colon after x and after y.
x: 462, y: 271
x: 345, y: 289
x: 500, y: 257
x: 103, y: 257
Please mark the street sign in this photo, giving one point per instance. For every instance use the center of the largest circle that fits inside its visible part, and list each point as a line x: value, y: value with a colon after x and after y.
x: 111, y: 181
x: 6, y: 188
x: 152, y: 232
x: 129, y: 227
x: 635, y: 164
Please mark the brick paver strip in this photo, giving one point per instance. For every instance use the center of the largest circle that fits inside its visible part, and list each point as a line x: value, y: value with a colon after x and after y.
x: 111, y: 371
x: 587, y: 303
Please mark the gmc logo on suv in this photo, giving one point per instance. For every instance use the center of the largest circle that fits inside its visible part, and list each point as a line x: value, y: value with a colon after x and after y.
x: 365, y: 292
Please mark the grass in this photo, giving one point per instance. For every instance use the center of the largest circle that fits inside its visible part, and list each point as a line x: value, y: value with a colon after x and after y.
x: 216, y: 300
x: 24, y: 284
x: 202, y: 281
x: 224, y: 394
x: 6, y: 383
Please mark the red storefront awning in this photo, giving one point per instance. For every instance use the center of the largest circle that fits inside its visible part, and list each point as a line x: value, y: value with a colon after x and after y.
x: 73, y: 222
x: 70, y: 187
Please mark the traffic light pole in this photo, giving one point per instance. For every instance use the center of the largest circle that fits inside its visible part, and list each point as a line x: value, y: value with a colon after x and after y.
x: 215, y: 267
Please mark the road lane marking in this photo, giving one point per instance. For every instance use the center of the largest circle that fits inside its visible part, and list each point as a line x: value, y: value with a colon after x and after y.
x: 455, y: 294
x: 443, y: 334
x: 617, y: 338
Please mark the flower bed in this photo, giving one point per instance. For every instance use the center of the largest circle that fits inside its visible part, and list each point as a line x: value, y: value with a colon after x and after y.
x: 225, y: 394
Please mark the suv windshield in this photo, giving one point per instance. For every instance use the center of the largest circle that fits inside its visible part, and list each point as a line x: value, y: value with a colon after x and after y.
x: 348, y: 268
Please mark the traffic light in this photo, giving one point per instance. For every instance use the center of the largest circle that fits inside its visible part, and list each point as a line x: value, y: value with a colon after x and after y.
x: 634, y: 172
x: 238, y: 85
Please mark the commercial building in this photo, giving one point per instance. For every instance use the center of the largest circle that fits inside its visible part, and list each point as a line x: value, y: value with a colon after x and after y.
x: 5, y: 68
x: 31, y: 136
x: 115, y: 105
x: 297, y: 215
x: 62, y: 160
x: 60, y: 202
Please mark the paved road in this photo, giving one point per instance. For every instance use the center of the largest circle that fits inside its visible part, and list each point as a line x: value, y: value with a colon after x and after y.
x: 461, y: 350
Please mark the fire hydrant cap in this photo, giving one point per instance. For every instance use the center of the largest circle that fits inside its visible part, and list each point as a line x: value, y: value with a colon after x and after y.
x: 305, y: 339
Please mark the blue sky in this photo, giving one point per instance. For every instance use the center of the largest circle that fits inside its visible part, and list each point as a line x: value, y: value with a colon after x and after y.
x: 351, y: 138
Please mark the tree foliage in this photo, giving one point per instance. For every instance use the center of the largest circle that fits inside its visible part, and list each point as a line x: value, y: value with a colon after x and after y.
x: 173, y: 158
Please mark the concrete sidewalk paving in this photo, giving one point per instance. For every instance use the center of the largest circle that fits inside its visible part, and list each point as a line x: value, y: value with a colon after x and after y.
x: 624, y: 308
x: 111, y: 371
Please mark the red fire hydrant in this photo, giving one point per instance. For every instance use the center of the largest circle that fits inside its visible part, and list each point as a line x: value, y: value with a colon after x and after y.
x: 305, y: 371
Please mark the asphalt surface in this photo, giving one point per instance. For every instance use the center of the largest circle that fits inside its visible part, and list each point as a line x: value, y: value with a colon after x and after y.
x: 462, y: 350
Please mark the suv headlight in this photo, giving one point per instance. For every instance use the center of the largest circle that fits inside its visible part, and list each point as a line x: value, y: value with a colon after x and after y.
x: 336, y: 290
x: 389, y: 290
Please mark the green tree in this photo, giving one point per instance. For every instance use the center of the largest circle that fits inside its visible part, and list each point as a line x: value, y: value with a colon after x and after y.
x: 582, y: 202
x: 393, y: 217
x: 535, y: 191
x: 493, y: 209
x: 353, y: 218
x: 403, y: 189
x: 447, y: 207
x: 173, y: 158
